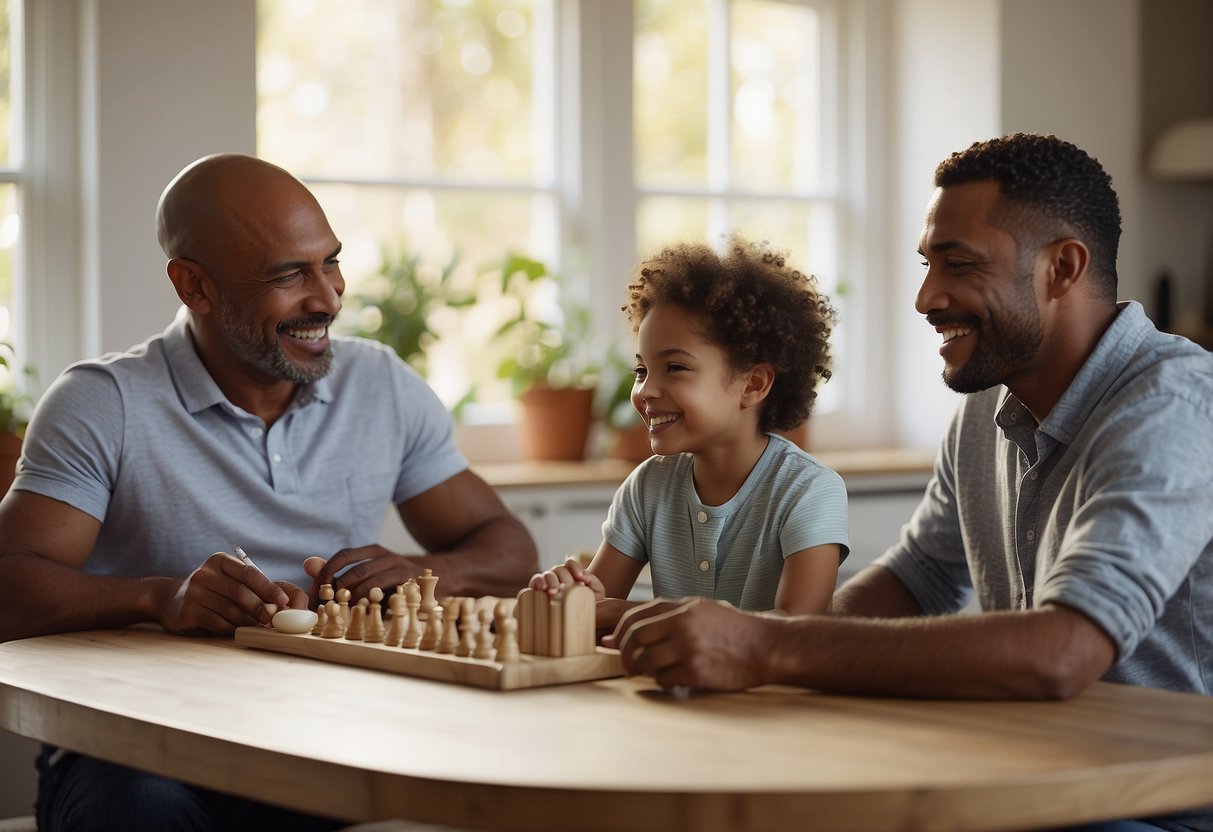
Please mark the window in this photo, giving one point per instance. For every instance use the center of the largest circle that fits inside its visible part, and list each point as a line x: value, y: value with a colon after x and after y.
x: 11, y: 159
x: 468, y: 128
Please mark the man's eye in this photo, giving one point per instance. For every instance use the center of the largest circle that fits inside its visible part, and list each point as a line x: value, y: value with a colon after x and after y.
x: 675, y: 368
x: 283, y: 278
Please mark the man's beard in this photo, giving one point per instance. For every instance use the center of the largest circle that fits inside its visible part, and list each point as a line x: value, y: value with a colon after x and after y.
x: 245, y: 342
x: 1002, y: 348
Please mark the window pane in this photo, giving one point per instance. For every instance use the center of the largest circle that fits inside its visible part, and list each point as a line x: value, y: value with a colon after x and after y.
x: 10, y: 232
x: 392, y: 88
x: 776, y: 129
x: 8, y: 113
x: 670, y: 92
x: 661, y: 221
x: 436, y: 226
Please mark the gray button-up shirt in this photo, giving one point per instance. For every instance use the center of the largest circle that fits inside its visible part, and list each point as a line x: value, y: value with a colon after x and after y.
x: 1106, y: 507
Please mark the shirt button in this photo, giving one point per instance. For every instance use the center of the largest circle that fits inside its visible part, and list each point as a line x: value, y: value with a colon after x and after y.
x: 1032, y: 475
x: 704, y: 566
x: 1014, y: 417
x: 256, y: 433
x: 702, y: 517
x: 1031, y: 535
x: 276, y: 457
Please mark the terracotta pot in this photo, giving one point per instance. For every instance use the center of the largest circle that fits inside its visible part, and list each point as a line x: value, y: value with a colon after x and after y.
x: 632, y: 444
x: 555, y: 422
x: 10, y: 450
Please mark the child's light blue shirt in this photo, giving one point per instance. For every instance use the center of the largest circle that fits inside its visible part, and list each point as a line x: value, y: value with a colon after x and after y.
x: 732, y: 552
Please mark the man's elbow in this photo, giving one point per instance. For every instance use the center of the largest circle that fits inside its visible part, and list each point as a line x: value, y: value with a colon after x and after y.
x: 1080, y: 657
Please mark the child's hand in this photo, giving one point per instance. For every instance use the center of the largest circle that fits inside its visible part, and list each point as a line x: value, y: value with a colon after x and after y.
x: 561, y: 577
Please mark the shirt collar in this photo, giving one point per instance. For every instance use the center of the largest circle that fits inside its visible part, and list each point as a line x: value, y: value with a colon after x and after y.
x: 1105, y: 364
x: 198, y: 390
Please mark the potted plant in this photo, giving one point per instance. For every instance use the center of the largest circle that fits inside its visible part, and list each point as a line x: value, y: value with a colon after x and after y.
x: 399, y: 308
x: 628, y: 434
x: 15, y: 407
x: 547, y: 360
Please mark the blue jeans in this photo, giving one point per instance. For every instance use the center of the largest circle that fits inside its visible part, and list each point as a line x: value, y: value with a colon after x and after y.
x: 78, y: 793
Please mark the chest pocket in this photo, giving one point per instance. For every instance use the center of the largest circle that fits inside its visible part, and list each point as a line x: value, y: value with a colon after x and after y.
x: 370, y: 498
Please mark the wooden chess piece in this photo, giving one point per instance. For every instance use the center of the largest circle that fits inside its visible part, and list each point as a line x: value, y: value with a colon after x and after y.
x: 398, y: 616
x: 433, y: 630
x: 450, y: 627
x: 428, y: 584
x: 375, y: 631
x: 508, y: 652
x: 484, y: 636
x: 343, y: 606
x: 467, y: 628
x: 333, y: 626
x: 354, y: 630
x: 413, y: 630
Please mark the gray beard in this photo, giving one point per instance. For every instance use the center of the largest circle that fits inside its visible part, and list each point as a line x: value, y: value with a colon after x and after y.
x: 246, y: 344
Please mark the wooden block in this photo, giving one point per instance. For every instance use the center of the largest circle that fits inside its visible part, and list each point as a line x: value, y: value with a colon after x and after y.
x: 524, y: 611
x: 578, y: 630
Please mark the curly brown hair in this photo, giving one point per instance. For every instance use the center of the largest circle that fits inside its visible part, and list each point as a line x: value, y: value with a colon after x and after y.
x: 755, y: 307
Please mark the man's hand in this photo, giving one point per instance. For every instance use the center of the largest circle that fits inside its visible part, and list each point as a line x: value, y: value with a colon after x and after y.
x: 375, y: 567
x: 694, y: 643
x: 223, y: 594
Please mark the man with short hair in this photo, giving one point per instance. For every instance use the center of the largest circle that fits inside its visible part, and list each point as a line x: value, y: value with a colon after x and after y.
x: 1073, y: 491
x: 243, y: 424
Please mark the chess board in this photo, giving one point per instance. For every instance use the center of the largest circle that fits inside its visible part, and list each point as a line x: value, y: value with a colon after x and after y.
x: 529, y: 672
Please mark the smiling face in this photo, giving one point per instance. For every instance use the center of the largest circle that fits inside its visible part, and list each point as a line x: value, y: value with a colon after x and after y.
x: 979, y: 291
x: 685, y: 389
x: 280, y: 292
x: 253, y: 257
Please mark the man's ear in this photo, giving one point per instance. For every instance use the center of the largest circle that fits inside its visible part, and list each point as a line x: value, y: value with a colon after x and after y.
x: 1067, y: 264
x: 758, y: 381
x: 194, y: 286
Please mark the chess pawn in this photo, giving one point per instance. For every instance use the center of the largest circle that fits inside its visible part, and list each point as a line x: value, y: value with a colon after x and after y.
x: 450, y: 627
x: 343, y: 606
x: 374, y: 632
x: 333, y: 626
x: 326, y: 595
x: 508, y: 651
x: 467, y: 628
x: 413, y: 630
x: 433, y: 630
x: 500, y: 613
x: 484, y: 636
x: 398, y: 615
x: 354, y: 630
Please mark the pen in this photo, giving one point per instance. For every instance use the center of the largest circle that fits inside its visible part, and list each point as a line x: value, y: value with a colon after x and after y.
x: 243, y: 555
x: 240, y: 553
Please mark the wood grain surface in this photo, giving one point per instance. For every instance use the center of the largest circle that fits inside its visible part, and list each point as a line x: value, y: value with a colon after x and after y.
x: 616, y: 754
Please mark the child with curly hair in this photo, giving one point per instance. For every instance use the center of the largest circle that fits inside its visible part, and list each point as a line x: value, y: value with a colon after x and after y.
x: 729, y: 350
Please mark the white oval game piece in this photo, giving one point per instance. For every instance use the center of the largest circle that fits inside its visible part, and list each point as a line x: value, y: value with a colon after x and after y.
x: 294, y: 621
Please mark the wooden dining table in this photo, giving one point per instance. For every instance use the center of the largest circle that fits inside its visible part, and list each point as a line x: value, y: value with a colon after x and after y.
x: 615, y: 754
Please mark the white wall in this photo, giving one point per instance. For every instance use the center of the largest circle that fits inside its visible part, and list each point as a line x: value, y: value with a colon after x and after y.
x: 163, y: 82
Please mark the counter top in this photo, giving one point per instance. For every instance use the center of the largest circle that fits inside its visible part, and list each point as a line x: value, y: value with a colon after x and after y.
x: 851, y: 465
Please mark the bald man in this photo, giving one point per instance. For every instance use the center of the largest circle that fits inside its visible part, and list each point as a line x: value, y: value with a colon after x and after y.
x: 243, y: 423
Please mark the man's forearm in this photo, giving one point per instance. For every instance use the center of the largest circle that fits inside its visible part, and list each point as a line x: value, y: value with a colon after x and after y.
x: 1040, y: 654
x: 499, y: 558
x: 44, y: 597
x: 874, y: 593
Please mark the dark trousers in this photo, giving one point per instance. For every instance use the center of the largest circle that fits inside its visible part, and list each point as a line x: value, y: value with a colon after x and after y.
x: 78, y: 793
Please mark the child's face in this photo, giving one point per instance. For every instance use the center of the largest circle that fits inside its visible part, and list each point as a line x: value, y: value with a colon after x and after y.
x: 688, y: 395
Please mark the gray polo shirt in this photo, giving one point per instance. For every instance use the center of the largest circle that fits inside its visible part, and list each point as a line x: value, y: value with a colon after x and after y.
x: 145, y: 442
x: 1106, y: 507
